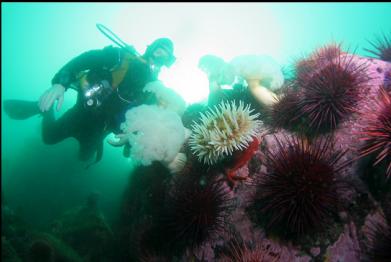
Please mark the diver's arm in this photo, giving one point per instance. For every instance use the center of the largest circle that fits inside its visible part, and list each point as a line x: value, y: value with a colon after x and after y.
x: 101, y: 58
x: 106, y: 57
x: 56, y: 92
x: 261, y: 93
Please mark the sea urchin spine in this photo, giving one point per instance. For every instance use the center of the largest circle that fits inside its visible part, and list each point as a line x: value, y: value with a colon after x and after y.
x: 283, y: 114
x: 379, y: 246
x: 299, y: 192
x: 196, y: 209
x: 377, y: 134
x: 382, y: 47
x: 331, y: 89
x: 238, y: 251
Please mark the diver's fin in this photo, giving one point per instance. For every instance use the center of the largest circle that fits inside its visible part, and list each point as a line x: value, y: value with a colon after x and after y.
x: 21, y: 109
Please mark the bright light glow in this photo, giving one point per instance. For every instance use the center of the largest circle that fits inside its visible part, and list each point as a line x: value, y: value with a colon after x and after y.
x: 187, y: 80
x: 225, y: 30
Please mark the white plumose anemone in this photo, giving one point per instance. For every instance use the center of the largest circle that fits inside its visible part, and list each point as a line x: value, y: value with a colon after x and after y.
x: 262, y: 67
x: 222, y: 130
x: 155, y: 134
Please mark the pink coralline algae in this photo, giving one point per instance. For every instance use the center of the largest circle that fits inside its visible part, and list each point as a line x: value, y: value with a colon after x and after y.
x: 346, y: 248
x: 345, y: 238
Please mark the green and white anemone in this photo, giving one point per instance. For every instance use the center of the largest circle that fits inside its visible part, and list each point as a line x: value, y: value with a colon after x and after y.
x: 223, y: 130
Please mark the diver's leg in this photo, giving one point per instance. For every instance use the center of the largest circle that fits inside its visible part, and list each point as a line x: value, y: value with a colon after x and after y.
x: 88, y: 148
x: 54, y: 131
x: 78, y: 124
x: 90, y: 138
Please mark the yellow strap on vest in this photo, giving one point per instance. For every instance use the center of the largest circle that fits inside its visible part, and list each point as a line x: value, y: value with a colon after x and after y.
x: 119, y: 72
x: 81, y: 80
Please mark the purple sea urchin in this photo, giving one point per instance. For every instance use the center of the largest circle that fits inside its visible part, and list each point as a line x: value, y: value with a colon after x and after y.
x: 241, y: 252
x: 382, y: 47
x: 387, y: 80
x: 330, y: 89
x: 298, y: 194
x: 195, y: 210
x: 320, y: 56
x: 327, y: 52
x: 379, y: 247
x: 377, y: 134
x: 221, y: 131
x: 283, y: 114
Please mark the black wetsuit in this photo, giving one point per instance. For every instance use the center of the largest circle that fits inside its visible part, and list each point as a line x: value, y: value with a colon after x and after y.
x: 91, y: 125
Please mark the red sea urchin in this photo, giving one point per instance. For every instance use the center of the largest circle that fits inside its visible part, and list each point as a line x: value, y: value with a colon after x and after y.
x: 382, y: 46
x: 196, y: 209
x: 377, y: 134
x: 330, y: 88
x: 298, y: 195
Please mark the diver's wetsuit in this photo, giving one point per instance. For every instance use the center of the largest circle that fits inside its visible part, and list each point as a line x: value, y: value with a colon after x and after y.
x: 91, y: 125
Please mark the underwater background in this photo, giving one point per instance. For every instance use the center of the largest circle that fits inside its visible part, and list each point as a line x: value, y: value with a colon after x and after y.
x: 40, y: 182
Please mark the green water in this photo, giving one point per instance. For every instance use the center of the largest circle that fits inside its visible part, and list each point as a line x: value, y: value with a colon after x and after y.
x: 41, y: 181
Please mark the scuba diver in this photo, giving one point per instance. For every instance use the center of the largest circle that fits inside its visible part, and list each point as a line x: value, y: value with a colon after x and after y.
x: 219, y: 74
x: 251, y: 78
x: 108, y: 81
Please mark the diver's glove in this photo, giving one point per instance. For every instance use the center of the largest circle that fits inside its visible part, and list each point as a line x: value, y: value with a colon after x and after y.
x: 123, y: 141
x: 56, y: 92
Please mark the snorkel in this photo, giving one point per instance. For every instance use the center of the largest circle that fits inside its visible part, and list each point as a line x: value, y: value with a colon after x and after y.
x: 159, y: 53
x: 163, y: 43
